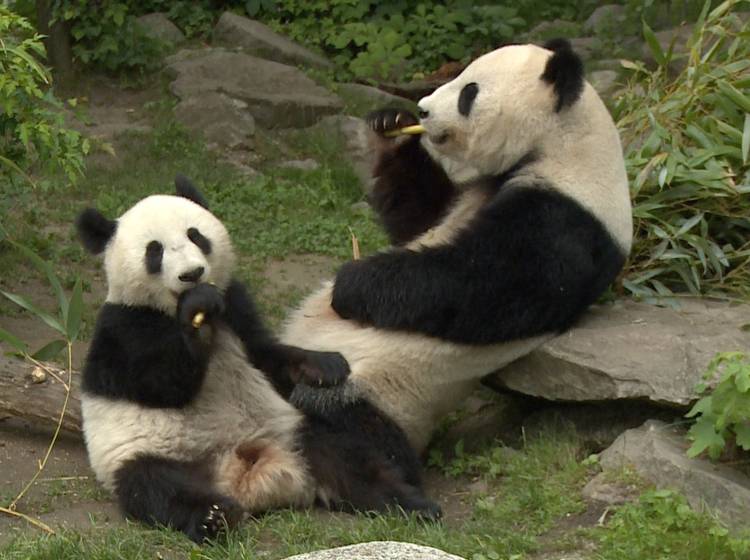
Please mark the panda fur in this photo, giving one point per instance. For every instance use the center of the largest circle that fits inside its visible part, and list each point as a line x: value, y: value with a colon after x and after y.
x: 509, y: 216
x: 189, y: 426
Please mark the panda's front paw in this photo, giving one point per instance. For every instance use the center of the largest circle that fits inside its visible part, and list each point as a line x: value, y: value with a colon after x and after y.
x: 387, y: 120
x: 321, y: 369
x: 199, y: 305
x: 349, y: 292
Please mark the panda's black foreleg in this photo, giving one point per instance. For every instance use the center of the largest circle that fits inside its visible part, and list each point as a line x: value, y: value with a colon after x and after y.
x: 412, y: 191
x: 170, y: 493
x: 284, y: 365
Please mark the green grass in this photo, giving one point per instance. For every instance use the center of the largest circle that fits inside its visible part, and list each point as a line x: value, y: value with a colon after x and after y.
x: 520, y: 513
x: 540, y: 486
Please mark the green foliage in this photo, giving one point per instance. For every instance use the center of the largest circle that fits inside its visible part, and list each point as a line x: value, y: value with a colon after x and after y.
x: 686, y: 141
x: 663, y: 526
x: 395, y: 39
x: 106, y: 36
x: 32, y: 128
x: 723, y: 414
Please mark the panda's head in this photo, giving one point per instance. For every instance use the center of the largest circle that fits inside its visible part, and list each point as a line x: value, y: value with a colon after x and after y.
x: 505, y: 105
x: 159, y: 248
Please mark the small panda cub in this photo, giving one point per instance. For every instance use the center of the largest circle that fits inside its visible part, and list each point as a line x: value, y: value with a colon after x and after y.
x: 187, y: 421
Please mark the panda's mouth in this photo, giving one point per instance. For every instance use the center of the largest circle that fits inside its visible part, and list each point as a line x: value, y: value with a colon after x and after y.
x: 439, y: 139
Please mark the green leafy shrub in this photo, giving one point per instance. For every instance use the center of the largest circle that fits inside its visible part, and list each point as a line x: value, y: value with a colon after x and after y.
x: 687, y: 141
x: 390, y: 40
x: 723, y: 414
x: 106, y: 36
x: 32, y: 128
x: 662, y: 525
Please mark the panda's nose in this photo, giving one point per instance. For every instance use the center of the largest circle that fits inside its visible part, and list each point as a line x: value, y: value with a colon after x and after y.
x: 423, y: 113
x: 192, y: 275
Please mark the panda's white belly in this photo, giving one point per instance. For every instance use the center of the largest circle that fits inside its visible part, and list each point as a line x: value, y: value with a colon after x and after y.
x: 413, y: 378
x: 236, y: 404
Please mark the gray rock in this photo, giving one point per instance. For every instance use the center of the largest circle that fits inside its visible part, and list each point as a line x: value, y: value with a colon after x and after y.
x: 277, y: 96
x: 373, y: 96
x: 378, y: 550
x: 610, y: 492
x: 358, y: 144
x: 157, y: 26
x: 554, y: 28
x: 631, y: 350
x: 222, y: 121
x: 657, y: 452
x: 260, y: 40
x: 301, y: 164
x: 585, y: 47
x: 604, y: 82
x: 605, y: 19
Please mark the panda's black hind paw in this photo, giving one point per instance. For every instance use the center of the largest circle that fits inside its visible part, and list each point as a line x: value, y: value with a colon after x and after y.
x: 220, y: 516
x: 386, y: 120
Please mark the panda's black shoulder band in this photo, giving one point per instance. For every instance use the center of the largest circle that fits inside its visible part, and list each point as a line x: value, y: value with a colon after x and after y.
x: 564, y: 71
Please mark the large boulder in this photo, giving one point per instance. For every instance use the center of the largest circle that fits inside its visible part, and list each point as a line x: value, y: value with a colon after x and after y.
x: 159, y: 27
x: 372, y: 97
x: 378, y: 550
x: 222, y: 121
x: 657, y: 452
x: 260, y: 40
x: 357, y: 140
x: 631, y: 350
x: 277, y: 96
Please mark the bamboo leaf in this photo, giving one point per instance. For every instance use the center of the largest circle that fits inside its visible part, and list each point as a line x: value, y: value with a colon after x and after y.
x: 50, y: 351
x: 43, y: 315
x: 653, y: 44
x: 73, y: 325
x: 14, y: 341
x: 746, y: 139
x: 47, y: 269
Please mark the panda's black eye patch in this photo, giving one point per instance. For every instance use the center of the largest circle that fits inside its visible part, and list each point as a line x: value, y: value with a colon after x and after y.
x: 203, y: 243
x: 154, y: 255
x: 466, y: 98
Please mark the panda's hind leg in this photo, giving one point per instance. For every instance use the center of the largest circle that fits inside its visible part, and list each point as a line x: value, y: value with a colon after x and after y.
x: 363, y: 462
x: 159, y: 491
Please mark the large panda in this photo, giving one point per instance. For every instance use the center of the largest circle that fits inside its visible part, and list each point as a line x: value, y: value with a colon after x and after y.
x: 182, y: 393
x: 509, y: 216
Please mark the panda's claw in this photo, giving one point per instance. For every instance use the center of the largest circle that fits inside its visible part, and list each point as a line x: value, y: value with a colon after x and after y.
x: 387, y: 120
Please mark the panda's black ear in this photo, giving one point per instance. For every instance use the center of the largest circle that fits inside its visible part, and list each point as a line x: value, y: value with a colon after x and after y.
x: 186, y: 189
x: 564, y: 71
x: 95, y: 230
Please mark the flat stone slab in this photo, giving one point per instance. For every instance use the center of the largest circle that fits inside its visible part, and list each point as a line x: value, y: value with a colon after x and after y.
x: 657, y: 452
x: 277, y: 96
x: 259, y: 40
x: 631, y: 350
x: 378, y: 550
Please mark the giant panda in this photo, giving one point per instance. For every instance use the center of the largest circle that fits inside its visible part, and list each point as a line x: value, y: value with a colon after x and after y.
x: 187, y: 421
x: 509, y: 216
